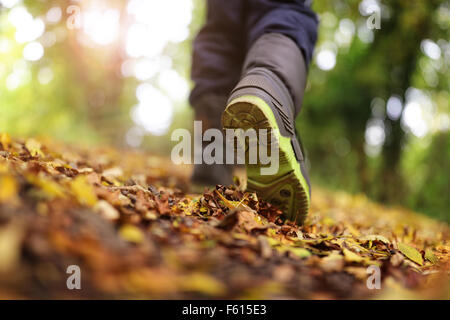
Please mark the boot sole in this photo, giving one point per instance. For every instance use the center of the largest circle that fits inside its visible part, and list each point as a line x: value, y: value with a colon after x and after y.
x: 288, y: 189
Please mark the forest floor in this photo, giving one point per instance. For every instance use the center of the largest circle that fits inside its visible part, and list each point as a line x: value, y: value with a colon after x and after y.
x: 124, y: 218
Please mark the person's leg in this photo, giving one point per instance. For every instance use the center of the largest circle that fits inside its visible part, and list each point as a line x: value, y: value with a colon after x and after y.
x: 293, y: 26
x: 218, y: 55
x: 281, y: 37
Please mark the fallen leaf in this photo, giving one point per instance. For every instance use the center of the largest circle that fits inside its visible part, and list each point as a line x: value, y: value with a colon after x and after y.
x: 34, y: 147
x: 113, y: 173
x: 250, y: 221
x: 429, y: 255
x: 202, y: 283
x: 83, y: 191
x: 8, y: 188
x: 181, y: 251
x: 106, y: 210
x: 350, y: 256
x: 49, y: 187
x: 234, y: 205
x: 5, y: 140
x: 299, y: 252
x: 374, y: 237
x: 411, y: 253
x: 131, y: 233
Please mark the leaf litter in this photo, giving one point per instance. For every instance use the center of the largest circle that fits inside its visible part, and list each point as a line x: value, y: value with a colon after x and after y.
x: 127, y: 220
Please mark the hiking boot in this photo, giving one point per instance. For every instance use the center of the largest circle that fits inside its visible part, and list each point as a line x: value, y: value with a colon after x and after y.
x: 262, y: 101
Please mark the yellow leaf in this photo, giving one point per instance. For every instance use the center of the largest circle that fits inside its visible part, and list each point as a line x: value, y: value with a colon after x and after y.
x: 350, y: 256
x: 8, y: 188
x: 273, y: 242
x: 5, y: 140
x: 411, y: 253
x: 131, y: 233
x: 202, y: 283
x: 266, y: 290
x: 300, y: 252
x: 353, y: 230
x: 429, y: 255
x: 34, y: 147
x: 83, y: 191
x: 374, y: 237
x: 3, y: 167
x: 234, y: 204
x: 50, y: 188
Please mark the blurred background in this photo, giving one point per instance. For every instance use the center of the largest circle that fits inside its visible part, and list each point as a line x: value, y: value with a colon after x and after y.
x: 376, y: 113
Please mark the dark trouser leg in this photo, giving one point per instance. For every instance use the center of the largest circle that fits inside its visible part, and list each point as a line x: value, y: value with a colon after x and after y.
x: 218, y: 50
x: 281, y: 35
x: 218, y: 54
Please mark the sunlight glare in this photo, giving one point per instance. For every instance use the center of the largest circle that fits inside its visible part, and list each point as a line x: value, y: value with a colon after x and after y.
x: 134, y: 136
x: 175, y: 85
x: 13, y: 81
x: 375, y: 133
x: 142, y: 41
x: 33, y: 51
x: 45, y: 75
x: 9, y: 3
x: 53, y: 15
x: 326, y: 59
x: 367, y: 7
x: 27, y: 28
x: 19, y: 76
x: 154, y: 111
x: 144, y: 69
x: 153, y: 29
x: 394, y: 108
x: 102, y: 26
x: 413, y: 119
x: 431, y: 49
x: 365, y: 34
x: 344, y: 34
x: 5, y: 45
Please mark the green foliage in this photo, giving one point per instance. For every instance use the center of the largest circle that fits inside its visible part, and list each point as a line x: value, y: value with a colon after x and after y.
x: 429, y: 164
x: 339, y: 105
